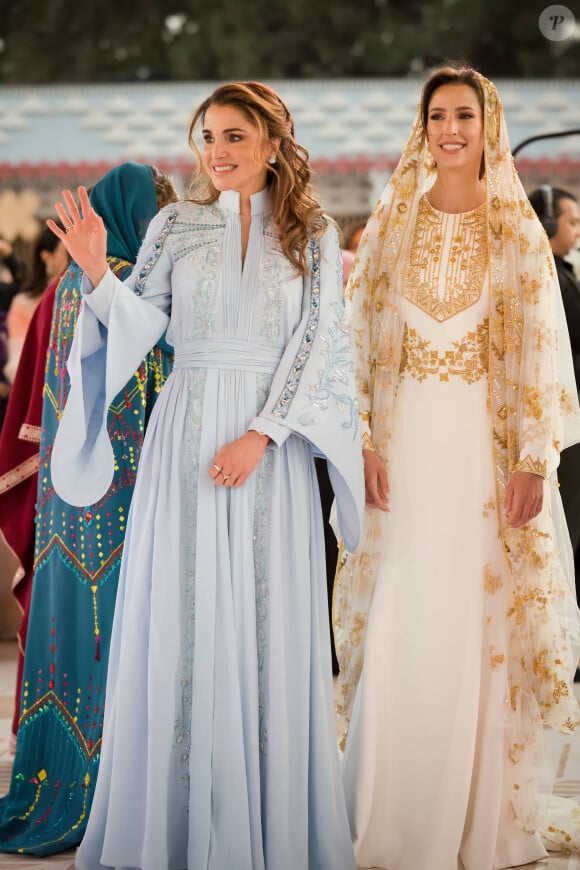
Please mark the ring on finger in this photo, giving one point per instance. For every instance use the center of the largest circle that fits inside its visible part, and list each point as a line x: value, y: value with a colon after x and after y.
x: 218, y: 469
x: 226, y: 476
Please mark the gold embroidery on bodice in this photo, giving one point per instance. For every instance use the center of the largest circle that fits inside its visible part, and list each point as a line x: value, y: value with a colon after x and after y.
x: 468, y: 358
x: 456, y: 243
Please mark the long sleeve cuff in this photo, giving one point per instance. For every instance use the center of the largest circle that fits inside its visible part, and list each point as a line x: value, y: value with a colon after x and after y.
x: 277, y: 433
x: 99, y: 298
x: 534, y: 466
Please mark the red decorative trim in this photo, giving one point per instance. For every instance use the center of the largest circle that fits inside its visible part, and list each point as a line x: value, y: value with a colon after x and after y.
x: 22, y: 472
x: 28, y: 432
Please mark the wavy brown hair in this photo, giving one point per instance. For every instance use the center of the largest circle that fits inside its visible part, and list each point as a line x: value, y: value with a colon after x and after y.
x: 452, y: 75
x: 164, y: 187
x: 297, y: 214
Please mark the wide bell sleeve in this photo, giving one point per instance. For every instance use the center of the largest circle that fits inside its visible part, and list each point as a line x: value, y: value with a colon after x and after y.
x: 548, y: 413
x: 119, y: 322
x: 313, y: 390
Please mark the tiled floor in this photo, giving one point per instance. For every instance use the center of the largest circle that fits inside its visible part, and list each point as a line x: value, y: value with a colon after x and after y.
x: 567, y: 777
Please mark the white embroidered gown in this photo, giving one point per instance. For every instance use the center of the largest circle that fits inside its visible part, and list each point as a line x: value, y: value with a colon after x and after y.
x: 425, y: 756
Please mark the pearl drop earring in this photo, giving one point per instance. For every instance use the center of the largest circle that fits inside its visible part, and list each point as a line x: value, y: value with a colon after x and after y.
x: 272, y: 159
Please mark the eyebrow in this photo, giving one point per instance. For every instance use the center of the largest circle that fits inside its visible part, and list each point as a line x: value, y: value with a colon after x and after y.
x: 456, y: 109
x: 227, y: 130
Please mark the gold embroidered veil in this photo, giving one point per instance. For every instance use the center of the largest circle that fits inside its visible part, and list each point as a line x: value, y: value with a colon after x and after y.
x: 534, y: 414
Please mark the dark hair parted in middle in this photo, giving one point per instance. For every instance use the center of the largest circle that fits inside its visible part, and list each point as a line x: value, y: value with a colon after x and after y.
x: 452, y: 75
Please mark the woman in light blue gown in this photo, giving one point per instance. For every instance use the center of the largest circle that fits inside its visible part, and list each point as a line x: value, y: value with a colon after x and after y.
x: 219, y: 746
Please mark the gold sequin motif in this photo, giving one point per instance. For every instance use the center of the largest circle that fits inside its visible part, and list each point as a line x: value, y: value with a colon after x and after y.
x: 467, y: 359
x: 464, y: 257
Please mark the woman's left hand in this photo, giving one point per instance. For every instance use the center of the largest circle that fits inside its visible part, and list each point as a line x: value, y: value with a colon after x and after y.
x: 235, y: 461
x: 523, y: 498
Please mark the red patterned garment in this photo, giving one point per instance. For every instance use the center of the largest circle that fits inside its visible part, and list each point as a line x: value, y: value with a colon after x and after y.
x: 19, y: 462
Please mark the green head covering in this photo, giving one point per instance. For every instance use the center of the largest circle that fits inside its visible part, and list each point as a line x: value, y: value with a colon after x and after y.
x: 125, y: 198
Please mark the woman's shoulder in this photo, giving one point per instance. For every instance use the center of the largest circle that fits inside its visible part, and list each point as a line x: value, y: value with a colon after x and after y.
x: 17, y: 301
x: 328, y: 234
x: 22, y: 302
x: 20, y: 312
x: 328, y: 227
x: 187, y: 209
x: 177, y: 218
x: 183, y: 226
x: 185, y: 215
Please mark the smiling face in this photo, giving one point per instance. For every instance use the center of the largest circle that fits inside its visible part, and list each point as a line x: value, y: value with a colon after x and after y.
x: 234, y: 152
x: 455, y: 128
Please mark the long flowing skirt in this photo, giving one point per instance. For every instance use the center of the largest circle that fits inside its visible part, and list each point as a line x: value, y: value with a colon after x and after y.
x: 219, y: 745
x: 425, y: 757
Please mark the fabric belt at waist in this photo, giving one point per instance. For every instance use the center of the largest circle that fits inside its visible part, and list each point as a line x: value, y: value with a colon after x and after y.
x: 226, y: 354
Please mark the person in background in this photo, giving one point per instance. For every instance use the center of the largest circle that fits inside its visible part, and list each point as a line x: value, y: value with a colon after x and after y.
x: 67, y: 583
x: 353, y: 234
x: 219, y: 744
x: 457, y: 629
x: 560, y: 216
x: 19, y: 463
x: 352, y: 237
x: 12, y: 276
x: 49, y: 260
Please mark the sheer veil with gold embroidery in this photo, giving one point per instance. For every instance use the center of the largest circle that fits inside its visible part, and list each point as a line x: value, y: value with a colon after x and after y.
x: 534, y: 414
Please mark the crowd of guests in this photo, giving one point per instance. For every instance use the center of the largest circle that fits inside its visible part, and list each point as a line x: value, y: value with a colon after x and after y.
x: 227, y: 418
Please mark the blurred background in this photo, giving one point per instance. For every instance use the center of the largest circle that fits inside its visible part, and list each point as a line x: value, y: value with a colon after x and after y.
x: 84, y: 86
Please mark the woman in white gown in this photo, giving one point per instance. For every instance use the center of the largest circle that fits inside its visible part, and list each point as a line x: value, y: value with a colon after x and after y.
x: 219, y: 746
x: 460, y: 599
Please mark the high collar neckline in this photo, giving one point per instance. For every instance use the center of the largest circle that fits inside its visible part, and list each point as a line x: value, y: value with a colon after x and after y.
x: 259, y: 202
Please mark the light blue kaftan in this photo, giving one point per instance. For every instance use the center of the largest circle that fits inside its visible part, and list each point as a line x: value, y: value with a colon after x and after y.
x: 219, y: 746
